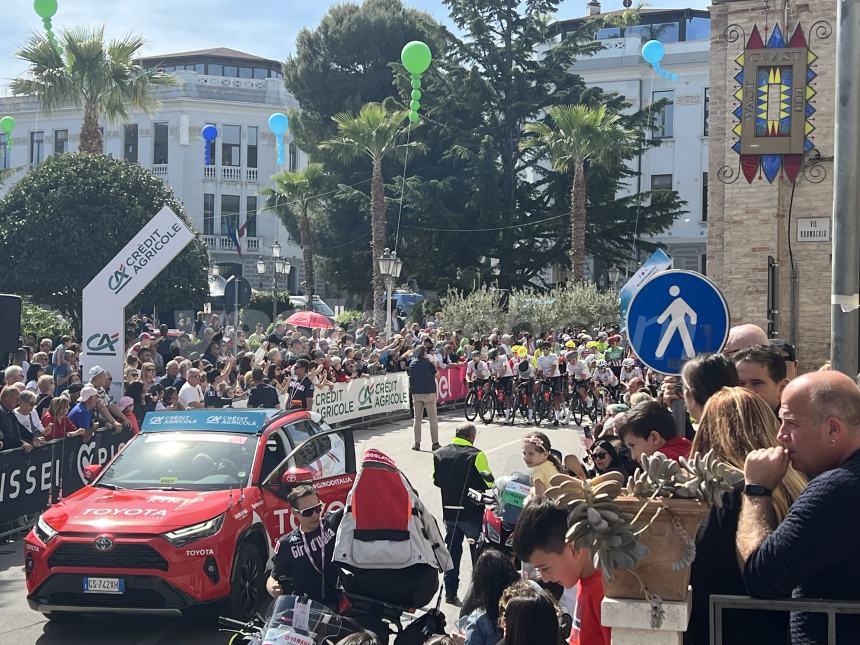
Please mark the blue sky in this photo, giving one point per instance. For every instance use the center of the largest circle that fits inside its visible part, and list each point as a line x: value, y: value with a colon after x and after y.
x: 263, y: 27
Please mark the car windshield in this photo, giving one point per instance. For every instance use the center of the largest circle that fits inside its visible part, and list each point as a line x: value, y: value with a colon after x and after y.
x: 182, y: 460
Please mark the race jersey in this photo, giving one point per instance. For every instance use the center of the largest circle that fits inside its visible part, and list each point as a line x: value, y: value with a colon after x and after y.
x: 548, y: 365
x: 614, y: 355
x: 605, y: 377
x: 477, y: 370
x: 627, y: 374
x: 579, y: 370
x: 529, y: 373
x: 500, y: 367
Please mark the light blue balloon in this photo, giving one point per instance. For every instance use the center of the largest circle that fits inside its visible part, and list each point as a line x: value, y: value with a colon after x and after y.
x: 653, y: 52
x: 278, y: 123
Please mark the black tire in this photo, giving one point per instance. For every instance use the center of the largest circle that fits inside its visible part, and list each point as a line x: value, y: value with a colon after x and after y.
x: 487, y: 408
x: 576, y: 409
x: 471, y: 406
x: 247, y: 584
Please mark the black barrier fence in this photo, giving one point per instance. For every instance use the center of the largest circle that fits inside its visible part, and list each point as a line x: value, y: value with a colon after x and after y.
x: 30, y: 481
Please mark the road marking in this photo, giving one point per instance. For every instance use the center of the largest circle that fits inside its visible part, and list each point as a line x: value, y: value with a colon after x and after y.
x: 504, y: 445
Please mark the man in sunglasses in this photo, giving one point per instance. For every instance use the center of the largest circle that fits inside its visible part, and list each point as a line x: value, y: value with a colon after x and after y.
x: 305, y: 555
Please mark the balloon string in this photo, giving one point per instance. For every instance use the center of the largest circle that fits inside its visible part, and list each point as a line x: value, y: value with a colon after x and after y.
x: 402, y: 186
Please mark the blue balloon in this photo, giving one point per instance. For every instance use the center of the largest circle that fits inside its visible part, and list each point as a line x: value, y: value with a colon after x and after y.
x: 653, y: 52
x: 209, y: 133
x: 278, y: 123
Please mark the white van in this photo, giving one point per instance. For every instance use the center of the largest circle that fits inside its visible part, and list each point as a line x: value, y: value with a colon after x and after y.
x: 320, y: 306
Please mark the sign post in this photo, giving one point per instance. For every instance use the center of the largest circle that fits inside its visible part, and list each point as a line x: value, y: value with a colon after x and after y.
x: 117, y: 284
x: 675, y: 316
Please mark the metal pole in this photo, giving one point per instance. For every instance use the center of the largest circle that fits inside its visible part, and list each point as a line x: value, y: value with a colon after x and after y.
x: 389, y: 282
x: 274, y: 292
x: 236, y: 319
x: 844, y: 299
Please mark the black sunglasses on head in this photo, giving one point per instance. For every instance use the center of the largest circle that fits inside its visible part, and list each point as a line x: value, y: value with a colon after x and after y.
x: 311, y: 510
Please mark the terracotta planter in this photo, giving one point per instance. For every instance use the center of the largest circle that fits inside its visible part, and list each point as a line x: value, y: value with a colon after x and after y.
x: 666, y: 546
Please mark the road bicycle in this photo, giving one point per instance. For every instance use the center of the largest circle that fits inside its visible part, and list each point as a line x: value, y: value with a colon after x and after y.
x: 474, y: 400
x: 522, y: 399
x: 493, y: 402
x: 544, y: 409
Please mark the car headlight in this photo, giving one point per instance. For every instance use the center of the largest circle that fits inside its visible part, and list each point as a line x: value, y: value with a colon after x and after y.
x: 183, y: 536
x: 43, y: 530
x: 493, y: 534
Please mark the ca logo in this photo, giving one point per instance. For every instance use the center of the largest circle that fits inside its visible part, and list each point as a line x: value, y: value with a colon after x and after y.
x: 119, y: 279
x: 365, y: 398
x: 102, y: 344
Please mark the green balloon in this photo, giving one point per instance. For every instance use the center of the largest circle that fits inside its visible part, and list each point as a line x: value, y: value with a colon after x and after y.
x: 45, y: 8
x: 416, y: 83
x: 413, y: 116
x: 414, y: 106
x: 416, y: 95
x: 416, y: 57
x: 7, y: 124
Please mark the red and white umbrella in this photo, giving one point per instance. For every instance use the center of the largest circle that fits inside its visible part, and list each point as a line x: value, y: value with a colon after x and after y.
x: 310, y: 319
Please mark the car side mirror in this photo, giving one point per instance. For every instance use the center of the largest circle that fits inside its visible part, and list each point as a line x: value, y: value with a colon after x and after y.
x: 91, y: 471
x: 295, y: 476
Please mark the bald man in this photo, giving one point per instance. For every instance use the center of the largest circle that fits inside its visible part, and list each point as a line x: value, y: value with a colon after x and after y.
x: 813, y: 553
x: 744, y: 336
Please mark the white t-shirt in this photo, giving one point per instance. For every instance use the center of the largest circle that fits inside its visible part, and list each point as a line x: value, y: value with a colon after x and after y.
x: 548, y: 365
x: 30, y: 421
x: 189, y: 394
x: 501, y: 367
x: 477, y: 370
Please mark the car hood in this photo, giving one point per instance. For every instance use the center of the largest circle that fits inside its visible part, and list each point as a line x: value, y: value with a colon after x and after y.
x: 94, y: 509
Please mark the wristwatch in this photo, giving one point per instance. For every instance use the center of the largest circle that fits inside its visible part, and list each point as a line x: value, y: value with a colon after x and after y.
x: 755, y: 490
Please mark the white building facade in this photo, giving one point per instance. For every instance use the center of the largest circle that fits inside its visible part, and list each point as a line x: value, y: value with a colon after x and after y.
x: 680, y: 162
x: 234, y: 91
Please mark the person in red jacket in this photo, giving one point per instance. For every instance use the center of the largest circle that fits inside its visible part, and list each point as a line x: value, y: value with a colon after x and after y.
x: 648, y: 428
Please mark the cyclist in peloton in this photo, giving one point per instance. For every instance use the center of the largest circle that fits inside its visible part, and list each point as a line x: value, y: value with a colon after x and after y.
x: 526, y: 382
x: 581, y: 375
x: 629, y: 371
x: 603, y: 376
x: 500, y: 368
x: 547, y: 367
x: 477, y: 372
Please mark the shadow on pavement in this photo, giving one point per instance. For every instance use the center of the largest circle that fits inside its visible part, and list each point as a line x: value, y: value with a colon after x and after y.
x: 109, y: 630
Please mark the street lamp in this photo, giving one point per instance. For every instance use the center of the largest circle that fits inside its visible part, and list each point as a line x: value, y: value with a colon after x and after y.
x: 614, y: 273
x: 390, y: 267
x: 216, y: 270
x: 279, y: 267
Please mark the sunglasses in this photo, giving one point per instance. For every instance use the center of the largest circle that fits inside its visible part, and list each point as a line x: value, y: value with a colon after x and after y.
x: 311, y: 510
x: 599, y: 455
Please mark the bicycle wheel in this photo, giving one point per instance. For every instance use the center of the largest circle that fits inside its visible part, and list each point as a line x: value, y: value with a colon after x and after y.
x: 577, y: 411
x: 592, y: 409
x: 487, y: 408
x: 470, y: 406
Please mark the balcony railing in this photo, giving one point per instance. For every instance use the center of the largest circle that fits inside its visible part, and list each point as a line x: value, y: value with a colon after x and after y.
x: 251, y: 174
x: 231, y: 173
x: 208, y: 172
x: 223, y: 244
x: 160, y: 170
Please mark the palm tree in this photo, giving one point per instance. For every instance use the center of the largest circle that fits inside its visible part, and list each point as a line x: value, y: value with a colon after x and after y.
x: 581, y: 134
x: 295, y: 194
x: 373, y: 133
x: 102, y: 78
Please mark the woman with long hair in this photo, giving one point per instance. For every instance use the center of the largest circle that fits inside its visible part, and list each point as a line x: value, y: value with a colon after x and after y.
x: 493, y: 573
x: 528, y: 615
x: 136, y: 390
x: 734, y: 422
x: 56, y: 421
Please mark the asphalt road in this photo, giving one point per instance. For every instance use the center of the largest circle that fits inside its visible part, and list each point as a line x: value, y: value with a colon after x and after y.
x: 19, y: 625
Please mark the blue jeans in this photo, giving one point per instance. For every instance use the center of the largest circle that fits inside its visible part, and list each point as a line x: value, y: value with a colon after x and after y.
x: 455, y: 532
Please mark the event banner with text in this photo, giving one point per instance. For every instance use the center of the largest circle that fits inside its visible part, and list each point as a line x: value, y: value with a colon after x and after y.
x: 363, y: 397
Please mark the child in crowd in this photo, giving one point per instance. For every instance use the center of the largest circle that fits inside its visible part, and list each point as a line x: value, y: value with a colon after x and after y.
x: 543, y: 464
x: 528, y: 614
x: 649, y: 427
x: 126, y: 404
x: 492, y: 574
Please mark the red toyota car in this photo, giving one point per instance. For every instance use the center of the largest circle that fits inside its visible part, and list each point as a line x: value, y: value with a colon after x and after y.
x: 186, y: 514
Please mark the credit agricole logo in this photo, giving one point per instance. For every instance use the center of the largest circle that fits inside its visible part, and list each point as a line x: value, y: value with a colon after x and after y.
x: 118, y: 279
x: 102, y: 344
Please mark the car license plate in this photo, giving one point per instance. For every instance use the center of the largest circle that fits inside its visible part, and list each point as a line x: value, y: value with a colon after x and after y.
x: 104, y: 585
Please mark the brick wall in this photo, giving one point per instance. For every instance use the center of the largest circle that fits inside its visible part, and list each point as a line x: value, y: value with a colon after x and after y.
x: 748, y: 222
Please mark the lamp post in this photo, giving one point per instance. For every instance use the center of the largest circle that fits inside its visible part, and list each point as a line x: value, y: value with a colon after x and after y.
x: 390, y: 267
x: 279, y: 267
x: 614, y: 273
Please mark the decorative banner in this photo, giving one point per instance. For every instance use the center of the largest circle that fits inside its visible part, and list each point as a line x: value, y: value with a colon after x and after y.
x: 279, y: 124
x: 363, y: 397
x: 451, y: 383
x: 117, y: 284
x: 416, y: 58
x: 774, y: 104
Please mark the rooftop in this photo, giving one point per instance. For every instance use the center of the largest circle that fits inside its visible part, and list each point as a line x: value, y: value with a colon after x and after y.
x: 215, y: 52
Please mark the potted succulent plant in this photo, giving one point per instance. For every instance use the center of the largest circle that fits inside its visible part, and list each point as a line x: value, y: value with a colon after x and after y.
x: 642, y: 532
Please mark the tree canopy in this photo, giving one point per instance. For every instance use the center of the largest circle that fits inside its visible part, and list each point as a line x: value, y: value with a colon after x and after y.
x: 68, y: 217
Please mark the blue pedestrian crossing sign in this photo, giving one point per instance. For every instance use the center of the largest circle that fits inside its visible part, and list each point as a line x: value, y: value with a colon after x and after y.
x: 674, y: 316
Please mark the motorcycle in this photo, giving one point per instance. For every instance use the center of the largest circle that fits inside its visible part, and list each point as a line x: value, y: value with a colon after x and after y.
x: 293, y: 620
x: 504, y: 503
x: 385, y: 619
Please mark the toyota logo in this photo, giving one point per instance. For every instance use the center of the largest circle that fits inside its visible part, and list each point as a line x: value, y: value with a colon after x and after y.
x: 104, y: 543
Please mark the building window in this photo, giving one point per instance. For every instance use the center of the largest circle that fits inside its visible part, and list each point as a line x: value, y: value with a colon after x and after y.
x: 231, y: 146
x: 664, y: 124
x: 294, y: 157
x: 61, y: 141
x: 251, y: 158
x: 4, y: 156
x: 246, y: 72
x: 231, y: 71
x: 159, y: 144
x: 214, y: 69
x: 37, y: 147
x: 707, y: 113
x: 229, y: 213
x: 698, y: 28
x: 251, y: 217
x: 261, y: 73
x: 704, y: 197
x: 129, y: 142
x: 211, y: 146
x: 661, y: 182
x: 208, y: 214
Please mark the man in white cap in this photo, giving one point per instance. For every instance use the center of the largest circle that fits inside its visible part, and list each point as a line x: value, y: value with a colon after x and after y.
x: 106, y: 410
x: 81, y: 415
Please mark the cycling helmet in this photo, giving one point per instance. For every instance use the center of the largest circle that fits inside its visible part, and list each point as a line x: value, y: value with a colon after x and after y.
x: 586, y: 337
x: 615, y: 339
x: 523, y: 366
x: 601, y: 364
x: 589, y: 360
x: 570, y: 344
x: 592, y: 344
x: 602, y: 335
x: 493, y: 354
x: 628, y: 362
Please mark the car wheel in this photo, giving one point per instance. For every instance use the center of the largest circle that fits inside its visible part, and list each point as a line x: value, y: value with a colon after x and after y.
x: 248, y: 583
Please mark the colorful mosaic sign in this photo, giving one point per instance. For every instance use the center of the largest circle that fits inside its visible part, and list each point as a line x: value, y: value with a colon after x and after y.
x: 775, y: 105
